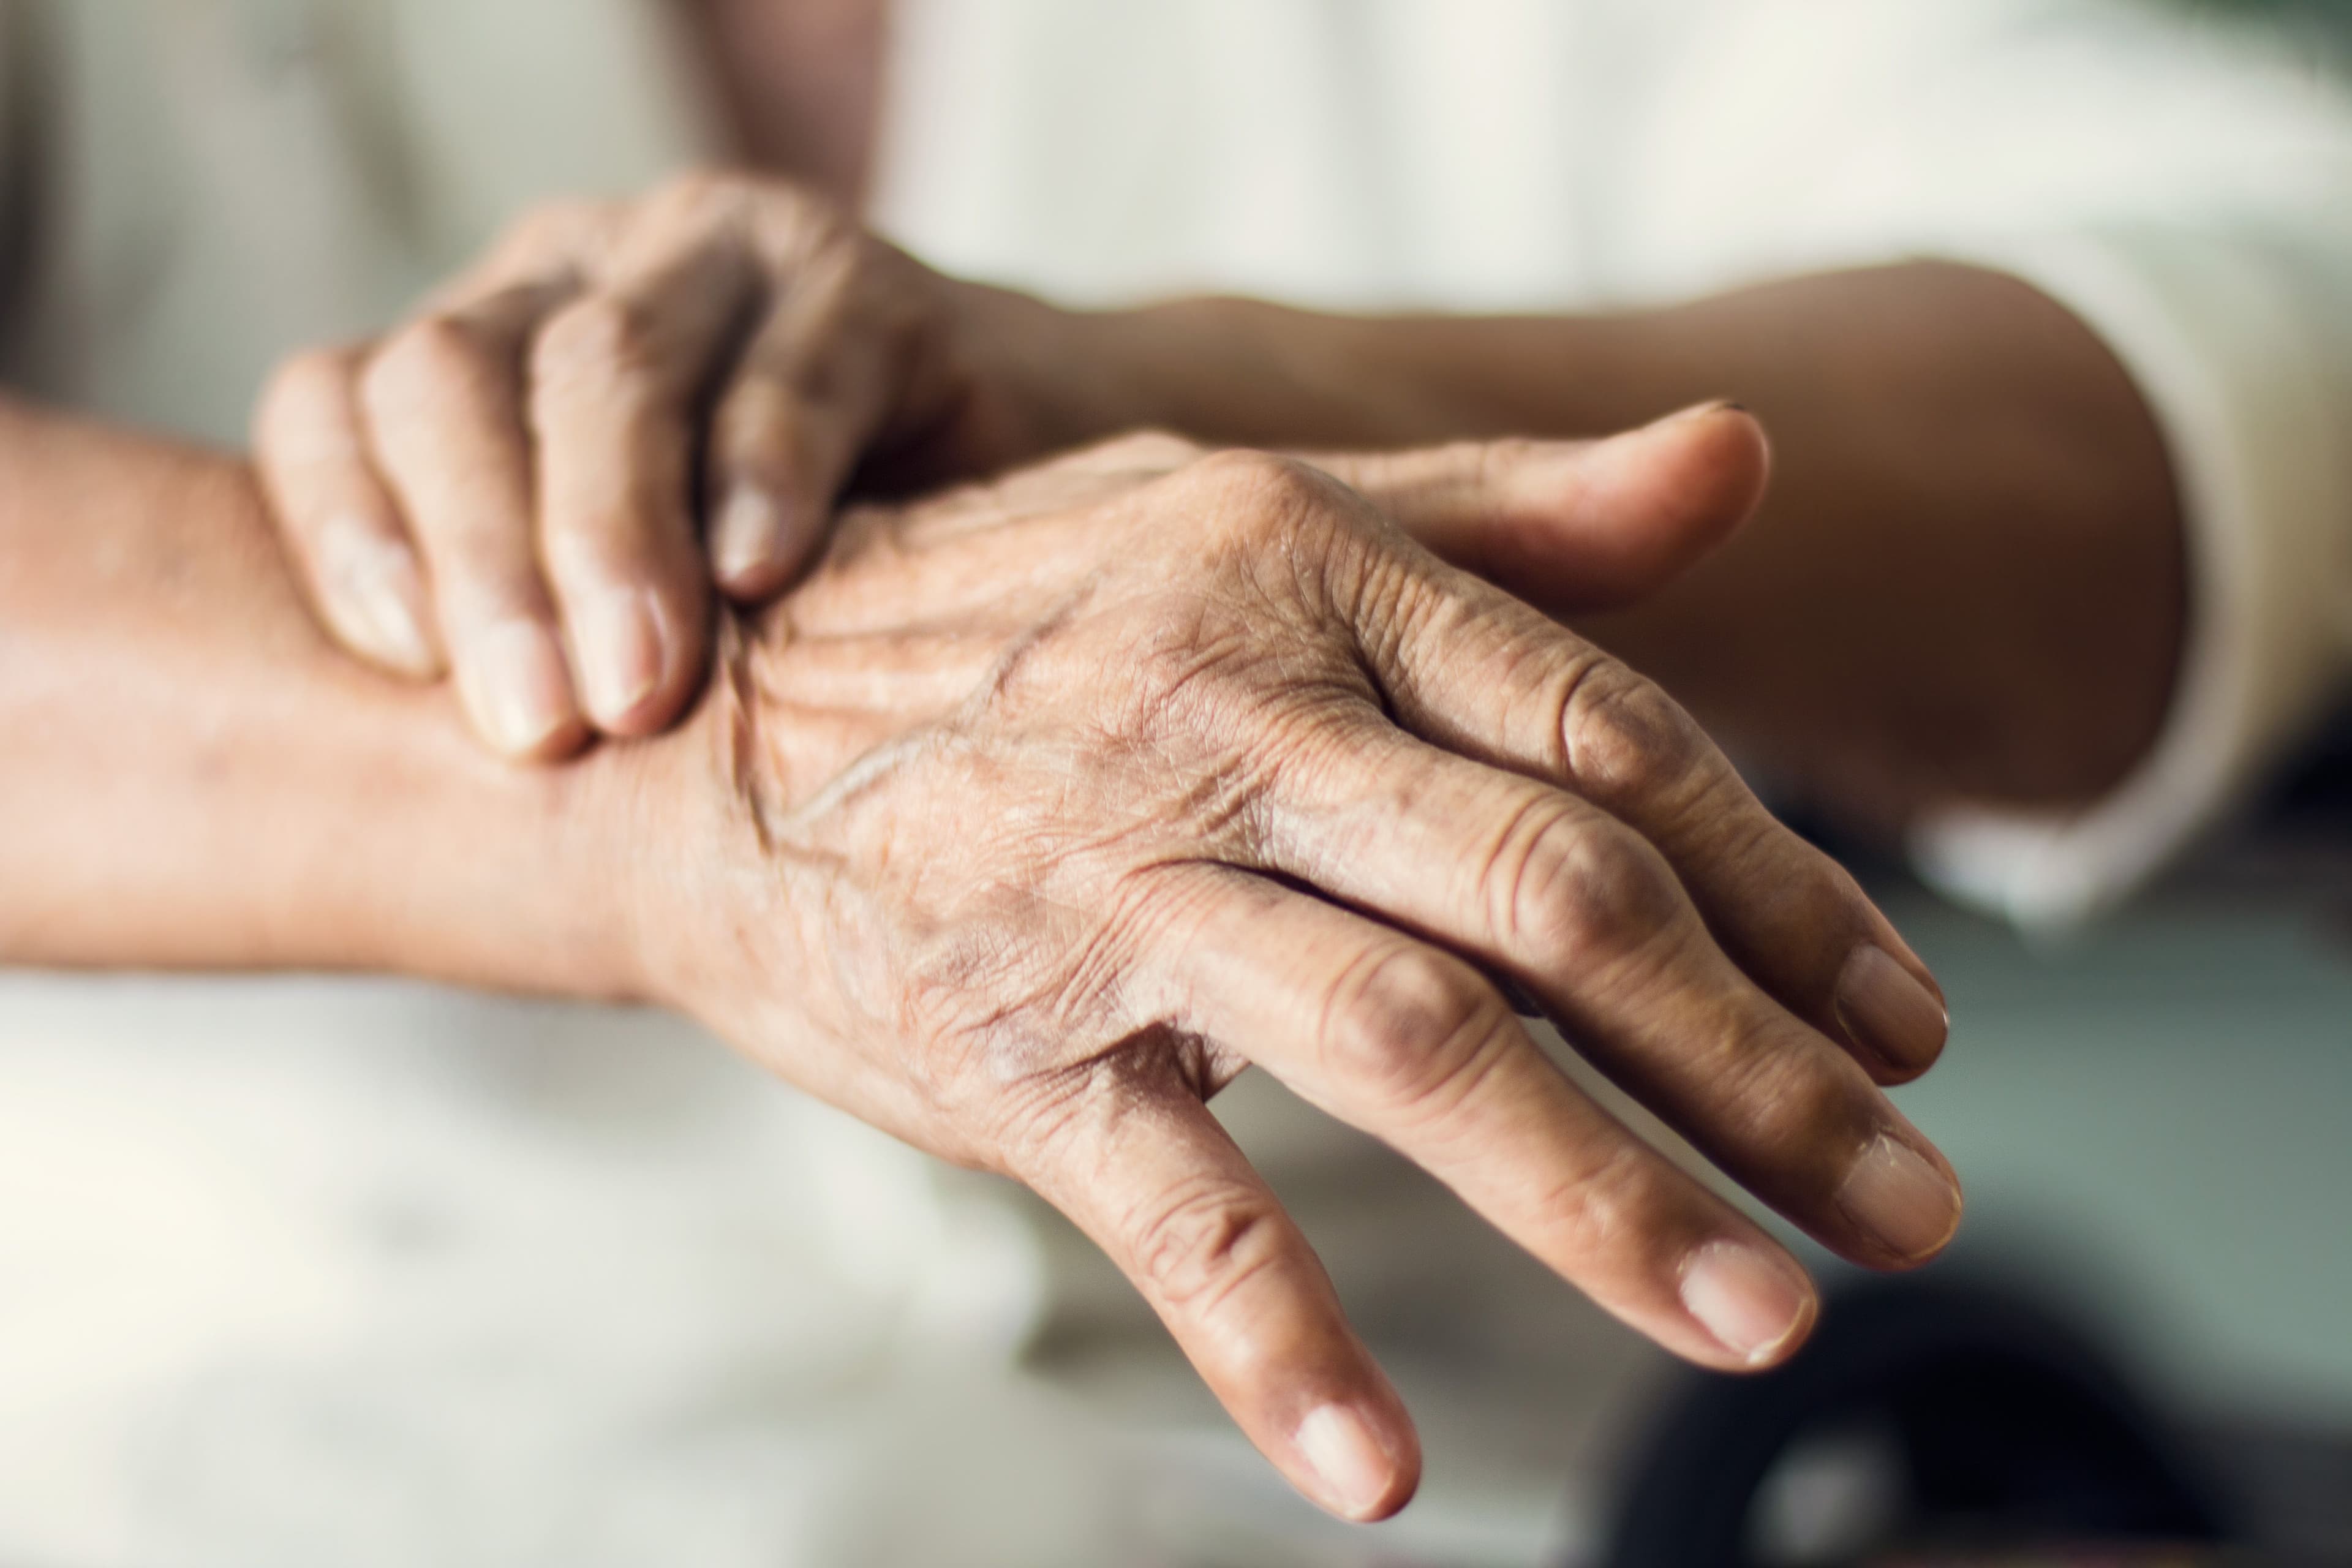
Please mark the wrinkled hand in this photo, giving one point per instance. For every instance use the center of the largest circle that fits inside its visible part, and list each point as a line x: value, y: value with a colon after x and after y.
x: 1038, y: 812
x: 536, y: 480
x: 511, y: 484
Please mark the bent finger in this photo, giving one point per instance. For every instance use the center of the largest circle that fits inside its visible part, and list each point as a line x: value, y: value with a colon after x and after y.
x: 443, y: 402
x: 1582, y: 913
x: 1481, y: 674
x: 616, y: 378
x: 1413, y: 1045
x: 813, y: 391
x: 1144, y: 1170
x: 341, y: 526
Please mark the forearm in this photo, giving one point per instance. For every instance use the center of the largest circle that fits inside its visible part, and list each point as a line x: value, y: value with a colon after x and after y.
x: 195, y: 778
x: 1967, y: 580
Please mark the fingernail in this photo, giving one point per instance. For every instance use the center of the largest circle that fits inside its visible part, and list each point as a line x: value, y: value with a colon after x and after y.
x: 748, y: 535
x: 1907, y: 1204
x: 1753, y: 1303
x: 1886, y: 1011
x: 1348, y: 1460
x: 376, y: 594
x: 617, y: 637
x: 514, y: 683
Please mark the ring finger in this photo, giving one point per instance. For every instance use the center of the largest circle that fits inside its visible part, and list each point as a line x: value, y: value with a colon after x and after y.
x: 443, y: 402
x: 1412, y: 1045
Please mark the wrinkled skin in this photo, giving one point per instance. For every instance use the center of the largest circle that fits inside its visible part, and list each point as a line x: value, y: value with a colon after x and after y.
x: 510, y: 485
x: 533, y: 483
x: 1034, y: 814
x: 1039, y: 811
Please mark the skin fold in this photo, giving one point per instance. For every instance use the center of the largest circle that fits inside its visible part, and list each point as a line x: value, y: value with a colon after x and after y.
x: 1026, y: 817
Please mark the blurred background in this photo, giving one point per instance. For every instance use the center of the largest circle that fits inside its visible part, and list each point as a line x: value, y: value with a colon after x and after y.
x: 327, y: 1271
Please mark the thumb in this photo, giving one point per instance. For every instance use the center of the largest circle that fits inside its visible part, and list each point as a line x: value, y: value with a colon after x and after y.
x: 1575, y: 526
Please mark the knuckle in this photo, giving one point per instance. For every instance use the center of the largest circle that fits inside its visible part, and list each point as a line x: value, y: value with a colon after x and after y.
x: 1584, y: 890
x: 701, y: 188
x: 798, y: 228
x: 307, y: 393
x: 1404, y: 1022
x: 1626, y: 739
x: 1837, y: 913
x: 1265, y: 479
x: 421, y: 363
x: 597, y: 344
x: 1202, y: 1240
x: 1147, y: 451
x: 308, y: 375
x: 1787, y: 1099
x: 1798, y: 912
x: 822, y: 222
x: 1253, y: 499
x: 760, y: 414
x: 714, y: 202
x: 552, y: 227
x: 1615, y: 1205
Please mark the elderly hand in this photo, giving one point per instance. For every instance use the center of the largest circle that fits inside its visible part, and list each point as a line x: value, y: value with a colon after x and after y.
x: 512, y: 481
x: 513, y: 484
x: 1038, y: 812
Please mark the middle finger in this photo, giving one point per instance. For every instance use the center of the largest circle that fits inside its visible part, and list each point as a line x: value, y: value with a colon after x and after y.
x: 615, y: 376
x: 1587, y: 917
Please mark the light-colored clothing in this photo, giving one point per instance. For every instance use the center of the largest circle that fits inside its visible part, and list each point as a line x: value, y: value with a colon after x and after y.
x: 2185, y: 191
x: 312, y: 1272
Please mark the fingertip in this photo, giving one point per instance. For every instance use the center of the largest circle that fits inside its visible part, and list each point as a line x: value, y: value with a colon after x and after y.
x: 517, y: 692
x: 1888, y: 1013
x: 1741, y: 449
x: 625, y: 650
x: 372, y: 592
x: 1902, y: 1199
x: 1894, y: 942
x: 1753, y: 1300
x: 1361, y: 1465
x: 1697, y: 475
x: 1590, y: 526
x: 759, y: 538
x: 557, y: 745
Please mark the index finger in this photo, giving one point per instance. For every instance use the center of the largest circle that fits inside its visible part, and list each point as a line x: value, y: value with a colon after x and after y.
x: 1138, y: 1163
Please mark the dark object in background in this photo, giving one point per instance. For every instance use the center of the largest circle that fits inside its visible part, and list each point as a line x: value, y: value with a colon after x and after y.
x: 1928, y: 1422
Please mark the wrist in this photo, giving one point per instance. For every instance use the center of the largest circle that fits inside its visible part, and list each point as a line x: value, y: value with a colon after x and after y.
x: 400, y: 846
x: 1224, y: 370
x: 719, y: 920
x: 1054, y: 378
x: 1235, y: 372
x: 208, y: 783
